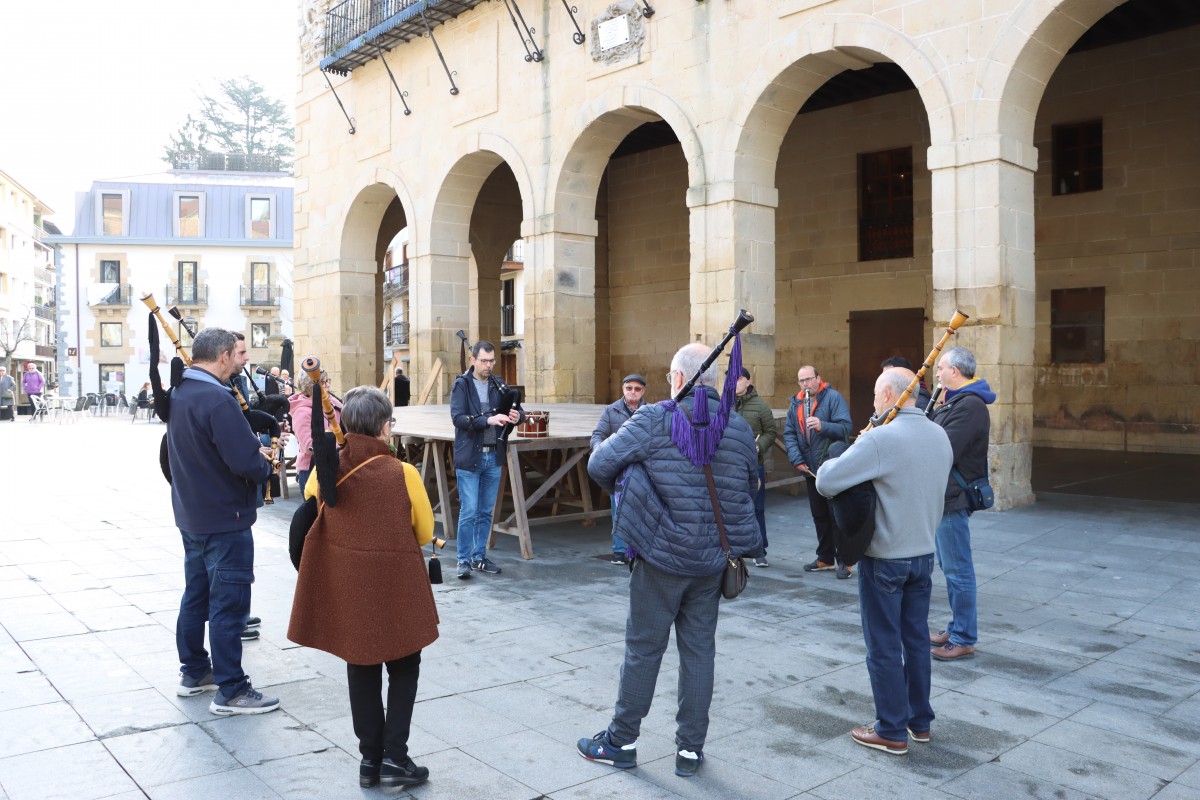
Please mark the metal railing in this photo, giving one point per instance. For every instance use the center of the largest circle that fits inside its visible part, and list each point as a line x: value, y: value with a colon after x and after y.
x: 227, y: 162
x: 887, y: 237
x: 43, y: 275
x: 260, y: 295
x: 396, y: 334
x: 119, y: 296
x: 396, y: 283
x: 44, y: 312
x: 187, y: 295
x: 508, y: 320
x: 350, y: 19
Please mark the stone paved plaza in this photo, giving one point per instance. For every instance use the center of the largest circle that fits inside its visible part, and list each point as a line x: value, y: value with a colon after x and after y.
x: 1087, y: 681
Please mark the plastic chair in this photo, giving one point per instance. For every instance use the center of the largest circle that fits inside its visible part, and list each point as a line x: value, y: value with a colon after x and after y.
x: 39, y: 408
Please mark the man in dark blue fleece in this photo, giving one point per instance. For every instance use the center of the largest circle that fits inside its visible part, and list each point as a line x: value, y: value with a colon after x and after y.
x: 966, y: 420
x: 218, y: 466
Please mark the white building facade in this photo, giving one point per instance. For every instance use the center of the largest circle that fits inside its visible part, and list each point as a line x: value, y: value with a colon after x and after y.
x: 216, y: 246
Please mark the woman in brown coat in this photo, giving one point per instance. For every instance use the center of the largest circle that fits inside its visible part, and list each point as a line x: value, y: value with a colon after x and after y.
x: 363, y: 592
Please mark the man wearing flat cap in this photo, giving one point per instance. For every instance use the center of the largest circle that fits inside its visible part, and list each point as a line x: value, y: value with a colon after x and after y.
x: 633, y: 397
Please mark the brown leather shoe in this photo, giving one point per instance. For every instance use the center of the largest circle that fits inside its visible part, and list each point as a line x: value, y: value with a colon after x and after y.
x: 952, y: 652
x: 939, y: 639
x: 867, y: 737
x: 920, y: 737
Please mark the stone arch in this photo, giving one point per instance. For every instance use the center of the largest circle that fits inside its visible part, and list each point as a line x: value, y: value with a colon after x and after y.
x: 450, y: 218
x: 375, y: 189
x: 599, y: 127
x: 1033, y: 42
x: 828, y: 45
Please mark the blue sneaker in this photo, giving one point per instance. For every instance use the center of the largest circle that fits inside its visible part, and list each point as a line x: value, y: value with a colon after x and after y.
x: 600, y: 748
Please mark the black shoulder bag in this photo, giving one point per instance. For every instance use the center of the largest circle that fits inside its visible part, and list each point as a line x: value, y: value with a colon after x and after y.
x: 979, y: 492
x: 735, y: 576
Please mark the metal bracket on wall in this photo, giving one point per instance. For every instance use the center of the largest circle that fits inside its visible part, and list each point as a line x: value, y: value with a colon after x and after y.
x: 429, y: 33
x: 349, y: 119
x: 647, y: 11
x: 407, y: 110
x: 532, y: 53
x: 571, y: 12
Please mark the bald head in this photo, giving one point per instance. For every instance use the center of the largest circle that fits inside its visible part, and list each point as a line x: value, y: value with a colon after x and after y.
x: 890, y: 384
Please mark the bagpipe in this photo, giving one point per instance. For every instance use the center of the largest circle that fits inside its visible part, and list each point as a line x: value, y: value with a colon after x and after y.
x: 510, y: 398
x: 325, y: 446
x: 854, y: 509
x: 260, y: 421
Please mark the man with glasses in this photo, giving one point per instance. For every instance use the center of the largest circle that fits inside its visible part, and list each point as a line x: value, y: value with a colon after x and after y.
x: 478, y: 454
x: 817, y: 417
x: 633, y: 391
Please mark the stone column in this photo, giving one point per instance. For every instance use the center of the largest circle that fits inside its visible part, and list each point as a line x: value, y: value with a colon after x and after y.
x: 983, y: 264
x: 335, y: 318
x: 733, y: 267
x: 439, y: 294
x: 560, y: 309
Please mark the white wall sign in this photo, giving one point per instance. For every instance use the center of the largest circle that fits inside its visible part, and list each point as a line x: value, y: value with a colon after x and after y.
x: 614, y: 32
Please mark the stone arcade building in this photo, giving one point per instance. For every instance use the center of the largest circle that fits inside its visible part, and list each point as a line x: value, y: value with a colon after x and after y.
x: 850, y: 171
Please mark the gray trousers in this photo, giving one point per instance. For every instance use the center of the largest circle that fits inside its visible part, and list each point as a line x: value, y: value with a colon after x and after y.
x: 658, y: 600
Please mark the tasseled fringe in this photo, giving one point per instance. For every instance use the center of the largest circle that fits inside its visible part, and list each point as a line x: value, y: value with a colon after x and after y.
x: 698, y: 438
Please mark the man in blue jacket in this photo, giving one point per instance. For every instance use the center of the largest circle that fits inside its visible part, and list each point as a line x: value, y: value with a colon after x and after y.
x: 966, y: 420
x: 218, y: 465
x: 665, y: 516
x: 478, y: 453
x: 817, y: 417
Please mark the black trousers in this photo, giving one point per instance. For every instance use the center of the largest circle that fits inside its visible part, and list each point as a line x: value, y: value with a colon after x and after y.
x: 823, y: 520
x: 381, y: 734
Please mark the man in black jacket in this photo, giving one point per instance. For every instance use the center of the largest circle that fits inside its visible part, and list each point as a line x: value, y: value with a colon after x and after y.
x: 965, y: 418
x: 218, y: 465
x: 402, y: 389
x: 478, y: 454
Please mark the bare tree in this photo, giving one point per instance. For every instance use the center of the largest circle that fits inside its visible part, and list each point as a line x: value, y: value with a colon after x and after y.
x: 13, y: 334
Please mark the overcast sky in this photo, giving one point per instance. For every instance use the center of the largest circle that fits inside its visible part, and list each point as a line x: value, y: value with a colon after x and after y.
x: 92, y: 90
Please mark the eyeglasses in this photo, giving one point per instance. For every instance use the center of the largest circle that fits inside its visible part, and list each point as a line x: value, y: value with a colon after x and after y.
x: 669, y: 374
x: 807, y: 380
x: 635, y: 388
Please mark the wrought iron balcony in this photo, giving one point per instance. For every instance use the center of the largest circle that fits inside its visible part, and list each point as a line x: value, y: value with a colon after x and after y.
x: 260, y: 295
x: 187, y: 295
x: 396, y: 335
x: 354, y: 28
x: 396, y: 283
x: 43, y: 275
x: 44, y: 312
x: 227, y: 162
x: 119, y: 296
x: 508, y: 320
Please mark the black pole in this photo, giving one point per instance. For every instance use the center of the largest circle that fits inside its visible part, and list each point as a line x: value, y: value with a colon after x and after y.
x: 739, y: 324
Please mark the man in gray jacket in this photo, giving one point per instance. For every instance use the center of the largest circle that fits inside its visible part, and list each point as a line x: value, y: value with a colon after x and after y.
x: 633, y: 397
x: 908, y: 460
x: 665, y: 516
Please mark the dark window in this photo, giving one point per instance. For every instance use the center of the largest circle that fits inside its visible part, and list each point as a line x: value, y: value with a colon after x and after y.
x: 508, y: 308
x: 187, y: 282
x: 110, y: 271
x: 1077, y: 154
x: 1077, y: 326
x: 885, y: 205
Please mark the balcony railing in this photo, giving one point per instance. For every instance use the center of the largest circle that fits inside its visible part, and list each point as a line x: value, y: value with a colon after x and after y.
x: 119, y: 296
x: 396, y: 283
x: 260, y: 295
x: 44, y: 312
x: 354, y: 27
x: 396, y: 335
x: 43, y: 275
x: 227, y: 162
x: 187, y: 295
x: 508, y: 320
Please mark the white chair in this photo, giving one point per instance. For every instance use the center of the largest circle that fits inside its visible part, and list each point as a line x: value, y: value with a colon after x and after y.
x: 39, y: 408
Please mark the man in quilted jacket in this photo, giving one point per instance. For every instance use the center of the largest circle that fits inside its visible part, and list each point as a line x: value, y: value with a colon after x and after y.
x: 665, y: 516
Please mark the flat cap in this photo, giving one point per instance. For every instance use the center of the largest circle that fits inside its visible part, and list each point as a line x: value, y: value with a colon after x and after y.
x: 634, y: 378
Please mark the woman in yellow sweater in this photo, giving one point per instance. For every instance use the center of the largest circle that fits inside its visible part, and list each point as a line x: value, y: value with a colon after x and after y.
x: 363, y: 592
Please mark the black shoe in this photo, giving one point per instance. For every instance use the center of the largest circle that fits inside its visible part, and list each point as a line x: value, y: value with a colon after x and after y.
x: 686, y: 765
x: 464, y: 570
x: 620, y: 558
x: 402, y: 773
x: 253, y: 622
x: 368, y: 772
x: 249, y: 634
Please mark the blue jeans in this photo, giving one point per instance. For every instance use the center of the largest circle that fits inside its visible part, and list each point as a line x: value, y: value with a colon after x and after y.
x: 476, y: 498
x: 893, y: 597
x: 218, y: 569
x: 953, y: 545
x: 618, y: 542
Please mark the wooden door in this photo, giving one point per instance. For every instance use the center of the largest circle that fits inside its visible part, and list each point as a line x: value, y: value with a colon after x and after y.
x: 874, y: 336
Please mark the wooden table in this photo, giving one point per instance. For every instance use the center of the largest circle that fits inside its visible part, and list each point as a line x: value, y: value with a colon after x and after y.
x: 557, y: 461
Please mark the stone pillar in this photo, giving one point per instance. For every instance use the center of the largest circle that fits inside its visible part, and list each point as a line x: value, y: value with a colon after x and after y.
x: 560, y: 309
x: 335, y: 319
x: 439, y: 293
x: 733, y: 267
x: 983, y: 264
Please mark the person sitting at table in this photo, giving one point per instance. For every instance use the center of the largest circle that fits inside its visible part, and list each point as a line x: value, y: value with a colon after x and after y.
x: 145, y: 400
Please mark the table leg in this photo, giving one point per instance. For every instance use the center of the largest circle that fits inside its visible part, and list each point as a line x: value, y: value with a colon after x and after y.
x: 443, y: 488
x: 519, y: 503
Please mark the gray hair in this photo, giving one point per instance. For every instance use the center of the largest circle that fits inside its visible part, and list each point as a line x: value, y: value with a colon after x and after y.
x: 210, y: 343
x: 962, y: 360
x: 689, y: 358
x: 304, y: 383
x: 896, y: 379
x: 365, y: 410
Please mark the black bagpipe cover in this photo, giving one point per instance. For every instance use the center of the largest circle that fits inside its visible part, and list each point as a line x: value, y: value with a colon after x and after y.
x: 853, y: 516
x: 302, y: 521
x: 325, y: 455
